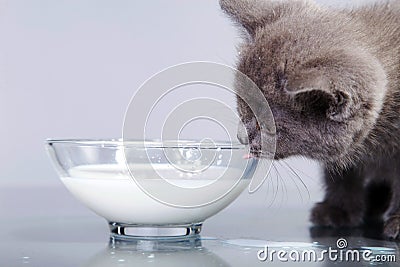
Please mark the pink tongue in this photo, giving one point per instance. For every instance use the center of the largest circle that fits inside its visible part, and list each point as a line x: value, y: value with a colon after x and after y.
x: 247, y: 156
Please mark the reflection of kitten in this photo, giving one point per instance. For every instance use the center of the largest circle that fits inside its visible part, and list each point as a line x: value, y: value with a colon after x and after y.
x: 332, y: 79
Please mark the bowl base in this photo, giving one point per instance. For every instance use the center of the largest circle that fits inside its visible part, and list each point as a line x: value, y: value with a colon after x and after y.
x: 121, y: 231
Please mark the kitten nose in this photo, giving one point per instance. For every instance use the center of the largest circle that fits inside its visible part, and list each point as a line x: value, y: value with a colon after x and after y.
x: 242, y: 135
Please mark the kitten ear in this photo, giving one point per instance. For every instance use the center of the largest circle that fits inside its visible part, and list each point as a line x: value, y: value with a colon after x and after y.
x: 252, y: 14
x: 318, y: 92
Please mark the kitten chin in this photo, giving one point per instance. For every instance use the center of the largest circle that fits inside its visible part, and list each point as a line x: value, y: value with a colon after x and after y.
x: 332, y: 80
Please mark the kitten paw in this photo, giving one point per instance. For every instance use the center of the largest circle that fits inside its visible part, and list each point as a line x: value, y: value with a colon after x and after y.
x: 324, y: 214
x: 391, y: 228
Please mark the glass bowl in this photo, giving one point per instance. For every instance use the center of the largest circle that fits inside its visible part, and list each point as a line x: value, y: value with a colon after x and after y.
x: 153, y: 189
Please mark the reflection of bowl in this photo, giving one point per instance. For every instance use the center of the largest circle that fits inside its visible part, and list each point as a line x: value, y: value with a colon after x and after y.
x: 152, y: 253
x: 134, y: 197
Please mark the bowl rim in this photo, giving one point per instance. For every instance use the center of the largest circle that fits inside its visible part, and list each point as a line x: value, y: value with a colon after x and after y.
x: 148, y: 143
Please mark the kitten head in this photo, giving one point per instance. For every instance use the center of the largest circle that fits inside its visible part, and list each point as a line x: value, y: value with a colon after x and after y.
x: 324, y: 87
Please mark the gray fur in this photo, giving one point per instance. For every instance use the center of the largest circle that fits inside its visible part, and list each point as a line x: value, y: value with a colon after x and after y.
x: 332, y: 80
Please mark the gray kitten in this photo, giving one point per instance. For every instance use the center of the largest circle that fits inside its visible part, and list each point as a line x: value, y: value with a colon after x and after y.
x: 332, y: 80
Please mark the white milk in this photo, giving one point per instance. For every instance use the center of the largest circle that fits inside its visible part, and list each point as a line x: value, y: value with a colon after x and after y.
x: 109, y: 191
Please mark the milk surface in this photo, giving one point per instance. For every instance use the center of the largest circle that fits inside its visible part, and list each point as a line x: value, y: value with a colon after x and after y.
x: 112, y: 193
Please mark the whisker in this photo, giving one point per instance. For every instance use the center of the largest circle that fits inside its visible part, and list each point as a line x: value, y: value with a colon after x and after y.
x: 304, y: 173
x: 268, y: 188
x: 290, y: 175
x: 301, y: 180
x: 271, y: 187
x: 283, y: 186
x: 268, y: 182
x: 275, y: 193
x: 294, y: 182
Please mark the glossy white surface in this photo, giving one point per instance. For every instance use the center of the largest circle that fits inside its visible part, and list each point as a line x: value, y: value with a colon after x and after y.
x: 59, y: 231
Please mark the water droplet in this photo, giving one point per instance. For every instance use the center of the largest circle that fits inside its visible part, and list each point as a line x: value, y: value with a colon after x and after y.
x: 25, y: 259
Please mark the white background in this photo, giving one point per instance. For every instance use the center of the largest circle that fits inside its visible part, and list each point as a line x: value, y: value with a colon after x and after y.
x: 69, y: 68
